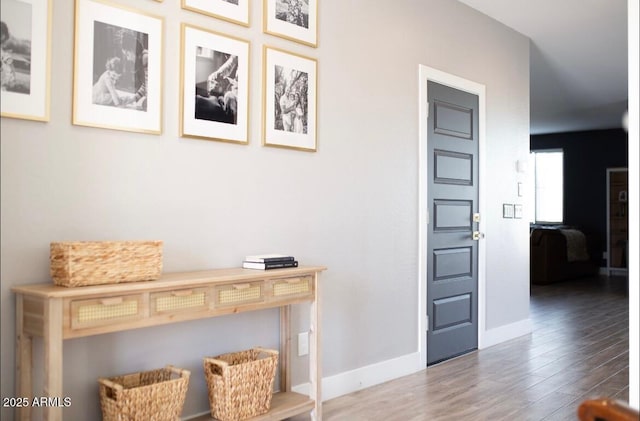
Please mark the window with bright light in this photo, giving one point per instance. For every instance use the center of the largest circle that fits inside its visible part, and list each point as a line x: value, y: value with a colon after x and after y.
x: 548, y: 175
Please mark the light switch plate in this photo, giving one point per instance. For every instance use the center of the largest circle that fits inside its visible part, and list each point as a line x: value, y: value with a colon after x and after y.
x: 507, y: 210
x: 517, y: 211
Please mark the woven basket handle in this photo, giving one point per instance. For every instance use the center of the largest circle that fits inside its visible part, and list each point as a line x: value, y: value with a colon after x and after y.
x: 115, y: 387
x: 217, y: 362
x: 179, y: 371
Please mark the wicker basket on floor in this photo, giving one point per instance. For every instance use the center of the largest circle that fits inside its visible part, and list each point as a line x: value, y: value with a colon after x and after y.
x: 81, y: 263
x: 156, y: 395
x: 241, y: 383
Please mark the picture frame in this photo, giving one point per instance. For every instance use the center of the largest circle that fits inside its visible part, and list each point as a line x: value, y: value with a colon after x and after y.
x: 289, y: 100
x: 234, y: 11
x: 26, y: 59
x: 295, y: 20
x: 117, y: 81
x: 214, y: 86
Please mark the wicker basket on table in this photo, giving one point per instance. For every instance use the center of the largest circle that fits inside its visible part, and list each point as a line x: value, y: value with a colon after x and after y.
x: 81, y: 263
x: 241, y: 383
x: 156, y: 395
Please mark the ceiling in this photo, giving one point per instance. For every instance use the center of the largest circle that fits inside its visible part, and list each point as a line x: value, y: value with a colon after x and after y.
x: 578, y: 59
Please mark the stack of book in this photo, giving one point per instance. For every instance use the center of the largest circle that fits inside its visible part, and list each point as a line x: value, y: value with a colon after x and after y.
x: 269, y: 261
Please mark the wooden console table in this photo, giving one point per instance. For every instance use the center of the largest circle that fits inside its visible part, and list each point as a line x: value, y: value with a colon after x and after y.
x: 58, y: 313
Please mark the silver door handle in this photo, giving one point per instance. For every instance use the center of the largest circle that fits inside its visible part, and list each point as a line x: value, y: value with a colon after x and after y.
x: 477, y: 235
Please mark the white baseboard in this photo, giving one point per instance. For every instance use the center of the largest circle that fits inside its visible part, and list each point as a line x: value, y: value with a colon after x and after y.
x: 371, y: 375
x: 504, y: 333
x: 363, y: 377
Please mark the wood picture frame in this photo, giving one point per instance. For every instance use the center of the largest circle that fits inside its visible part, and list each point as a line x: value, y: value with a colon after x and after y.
x: 295, y: 20
x: 214, y: 86
x: 117, y: 68
x: 289, y: 100
x: 235, y: 11
x: 26, y: 59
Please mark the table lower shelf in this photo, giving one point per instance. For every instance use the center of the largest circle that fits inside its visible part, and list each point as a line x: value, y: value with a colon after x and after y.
x: 283, y: 405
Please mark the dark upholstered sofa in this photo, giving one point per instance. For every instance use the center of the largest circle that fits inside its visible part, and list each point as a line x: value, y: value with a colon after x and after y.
x: 553, y: 261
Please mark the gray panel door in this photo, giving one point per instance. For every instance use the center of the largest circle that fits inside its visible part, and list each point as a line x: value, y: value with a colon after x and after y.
x: 452, y: 253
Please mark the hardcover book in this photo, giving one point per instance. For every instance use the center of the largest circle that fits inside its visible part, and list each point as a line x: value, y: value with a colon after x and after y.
x: 270, y: 265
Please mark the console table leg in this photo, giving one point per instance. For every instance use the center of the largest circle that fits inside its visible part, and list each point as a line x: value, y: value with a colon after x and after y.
x: 53, y: 357
x: 315, y: 360
x: 24, y: 361
x: 285, y: 348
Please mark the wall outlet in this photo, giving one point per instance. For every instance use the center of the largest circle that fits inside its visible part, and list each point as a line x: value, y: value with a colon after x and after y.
x: 303, y: 344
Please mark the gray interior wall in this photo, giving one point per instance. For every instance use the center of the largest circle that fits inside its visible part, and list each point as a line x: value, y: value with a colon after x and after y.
x: 351, y: 206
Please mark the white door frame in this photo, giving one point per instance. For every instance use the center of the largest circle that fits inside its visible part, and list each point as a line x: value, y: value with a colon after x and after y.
x: 430, y: 74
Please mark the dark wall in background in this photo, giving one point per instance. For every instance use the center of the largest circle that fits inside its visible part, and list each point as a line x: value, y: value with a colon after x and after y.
x: 587, y: 155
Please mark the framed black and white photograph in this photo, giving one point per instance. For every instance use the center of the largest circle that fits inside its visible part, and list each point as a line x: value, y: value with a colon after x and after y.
x: 290, y: 98
x: 295, y: 20
x: 214, y: 97
x: 117, y: 68
x: 26, y: 53
x: 236, y: 11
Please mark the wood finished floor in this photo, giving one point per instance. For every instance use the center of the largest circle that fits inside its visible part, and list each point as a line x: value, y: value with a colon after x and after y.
x: 578, y: 350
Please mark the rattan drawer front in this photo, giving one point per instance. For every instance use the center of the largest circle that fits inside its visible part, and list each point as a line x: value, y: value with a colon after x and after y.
x: 237, y: 294
x: 290, y: 287
x: 105, y: 311
x: 183, y: 299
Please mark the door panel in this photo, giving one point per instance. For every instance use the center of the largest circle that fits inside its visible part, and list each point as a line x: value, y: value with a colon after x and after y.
x: 452, y: 215
x: 452, y: 263
x: 452, y: 254
x: 453, y: 168
x: 453, y: 120
x: 452, y: 311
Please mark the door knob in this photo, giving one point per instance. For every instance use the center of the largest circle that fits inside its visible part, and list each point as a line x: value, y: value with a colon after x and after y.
x: 477, y: 235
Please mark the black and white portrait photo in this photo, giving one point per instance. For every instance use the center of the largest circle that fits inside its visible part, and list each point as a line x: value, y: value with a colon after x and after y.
x: 216, y: 86
x: 120, y: 67
x: 295, y: 12
x: 16, y: 46
x: 291, y: 99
